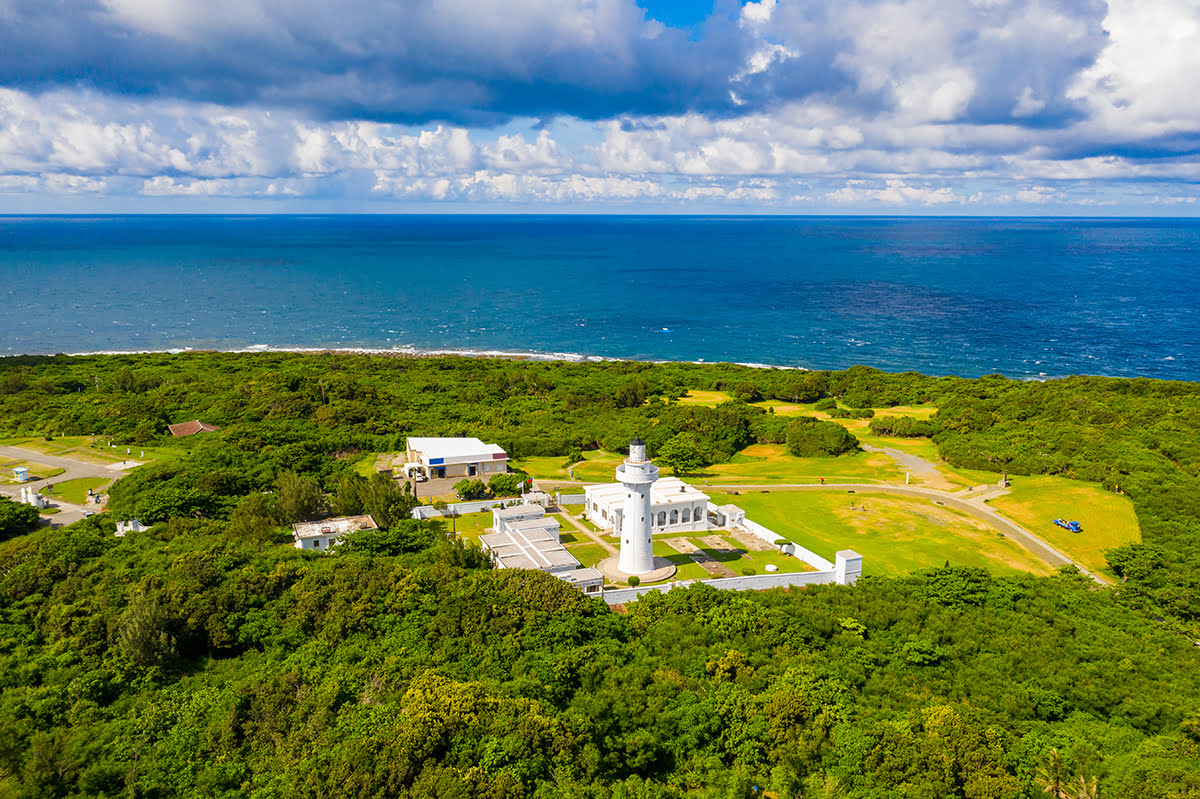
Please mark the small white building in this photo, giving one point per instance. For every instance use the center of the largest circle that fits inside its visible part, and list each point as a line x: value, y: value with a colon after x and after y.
x: 327, y: 532
x: 34, y: 498
x: 589, y: 581
x: 675, y: 506
x: 437, y: 458
x: 502, y: 517
x: 21, y: 474
x: 130, y: 526
x: 528, y: 549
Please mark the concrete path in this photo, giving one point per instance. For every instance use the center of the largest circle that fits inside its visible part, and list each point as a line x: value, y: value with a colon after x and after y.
x: 975, y: 507
x: 583, y: 528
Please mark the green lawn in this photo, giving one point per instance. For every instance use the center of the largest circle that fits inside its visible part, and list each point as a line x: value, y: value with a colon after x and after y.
x: 75, y: 491
x: 1108, y: 519
x: 589, y: 553
x: 469, y: 525
x: 550, y: 467
x: 770, y: 463
x: 709, y: 398
x: 895, y: 535
x: 94, y: 449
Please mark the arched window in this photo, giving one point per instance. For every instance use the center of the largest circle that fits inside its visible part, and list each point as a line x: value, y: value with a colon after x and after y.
x: 674, y: 517
x: 662, y: 518
x: 687, y: 515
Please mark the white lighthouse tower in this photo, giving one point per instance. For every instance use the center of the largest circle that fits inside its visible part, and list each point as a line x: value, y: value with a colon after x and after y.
x: 637, y: 475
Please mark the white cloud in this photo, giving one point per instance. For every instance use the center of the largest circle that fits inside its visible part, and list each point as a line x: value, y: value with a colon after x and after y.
x: 895, y: 192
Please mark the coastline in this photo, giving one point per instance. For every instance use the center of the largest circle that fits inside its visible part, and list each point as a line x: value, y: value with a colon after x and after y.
x: 408, y: 352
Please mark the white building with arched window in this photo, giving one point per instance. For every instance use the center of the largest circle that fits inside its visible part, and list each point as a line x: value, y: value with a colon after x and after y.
x: 675, y: 506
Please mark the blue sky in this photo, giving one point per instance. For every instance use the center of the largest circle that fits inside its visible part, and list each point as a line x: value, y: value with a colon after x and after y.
x: 1027, y: 107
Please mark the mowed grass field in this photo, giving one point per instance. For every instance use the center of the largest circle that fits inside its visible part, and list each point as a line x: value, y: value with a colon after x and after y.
x: 895, y: 535
x: 95, y: 450
x: 1108, y: 519
x: 75, y: 491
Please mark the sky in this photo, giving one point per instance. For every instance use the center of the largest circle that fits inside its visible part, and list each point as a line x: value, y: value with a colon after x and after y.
x: 947, y: 107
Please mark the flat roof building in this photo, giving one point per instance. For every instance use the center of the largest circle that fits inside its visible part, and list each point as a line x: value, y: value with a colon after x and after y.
x: 438, y: 458
x: 675, y: 506
x: 327, y: 532
x: 589, y: 581
x: 528, y: 549
x: 502, y: 517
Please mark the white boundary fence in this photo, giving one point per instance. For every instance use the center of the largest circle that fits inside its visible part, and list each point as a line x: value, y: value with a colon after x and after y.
x: 459, y: 508
x: 572, y: 499
x: 845, y: 572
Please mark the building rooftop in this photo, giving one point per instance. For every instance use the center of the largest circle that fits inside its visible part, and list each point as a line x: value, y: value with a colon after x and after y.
x: 525, y: 511
x: 528, y: 549
x: 433, y: 448
x: 191, y: 428
x: 664, y: 491
x: 579, y: 577
x: 540, y: 523
x: 338, y: 526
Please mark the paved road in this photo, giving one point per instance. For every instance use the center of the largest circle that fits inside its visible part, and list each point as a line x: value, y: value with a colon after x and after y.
x: 975, y: 507
x: 72, y: 469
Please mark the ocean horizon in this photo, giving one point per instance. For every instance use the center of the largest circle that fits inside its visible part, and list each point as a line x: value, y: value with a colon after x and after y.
x: 1025, y: 297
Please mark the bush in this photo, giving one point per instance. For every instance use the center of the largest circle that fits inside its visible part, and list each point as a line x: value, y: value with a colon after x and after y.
x: 749, y: 572
x: 635, y: 581
x: 809, y: 438
x: 470, y: 489
x: 505, y: 485
x: 827, y: 404
x: 16, y: 518
x: 852, y: 413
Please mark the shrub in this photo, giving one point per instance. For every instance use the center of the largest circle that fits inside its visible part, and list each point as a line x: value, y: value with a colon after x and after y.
x: 634, y: 581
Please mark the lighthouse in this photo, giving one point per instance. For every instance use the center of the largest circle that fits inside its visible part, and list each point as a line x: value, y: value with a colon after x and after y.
x: 637, y: 475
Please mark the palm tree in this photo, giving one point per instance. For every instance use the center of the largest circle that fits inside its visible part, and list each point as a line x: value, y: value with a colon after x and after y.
x: 1087, y: 789
x: 1053, y: 776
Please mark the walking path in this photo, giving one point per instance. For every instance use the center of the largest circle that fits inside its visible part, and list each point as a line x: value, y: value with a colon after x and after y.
x: 587, y: 531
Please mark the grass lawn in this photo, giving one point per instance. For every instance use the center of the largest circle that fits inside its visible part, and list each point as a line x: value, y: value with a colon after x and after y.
x: 75, y: 491
x: 37, y: 471
x: 770, y: 463
x: 709, y: 398
x: 469, y: 525
x: 1108, y: 519
x: 94, y: 449
x: 550, y: 467
x: 895, y: 535
x: 588, y: 553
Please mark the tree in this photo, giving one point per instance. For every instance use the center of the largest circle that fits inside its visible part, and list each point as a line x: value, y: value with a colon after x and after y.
x: 1053, y: 776
x: 506, y: 485
x: 470, y: 489
x: 299, y: 499
x: 683, y: 454
x: 16, y: 518
x: 810, y: 438
x: 387, y: 502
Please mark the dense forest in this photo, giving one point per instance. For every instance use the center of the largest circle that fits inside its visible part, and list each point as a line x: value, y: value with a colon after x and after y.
x: 206, y: 657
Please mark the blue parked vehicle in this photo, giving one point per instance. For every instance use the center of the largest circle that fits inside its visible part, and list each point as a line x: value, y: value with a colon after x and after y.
x: 1074, y: 527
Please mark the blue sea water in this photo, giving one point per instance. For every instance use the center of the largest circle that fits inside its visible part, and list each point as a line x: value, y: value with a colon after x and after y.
x: 1025, y: 298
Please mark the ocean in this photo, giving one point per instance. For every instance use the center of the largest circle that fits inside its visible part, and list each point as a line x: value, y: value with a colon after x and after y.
x: 1027, y: 298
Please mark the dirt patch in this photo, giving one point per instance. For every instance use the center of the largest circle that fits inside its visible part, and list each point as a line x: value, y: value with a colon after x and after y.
x: 714, y: 568
x: 751, y: 542
x: 681, y: 545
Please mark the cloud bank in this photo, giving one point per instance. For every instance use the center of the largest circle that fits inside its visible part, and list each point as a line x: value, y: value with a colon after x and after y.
x: 774, y: 104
